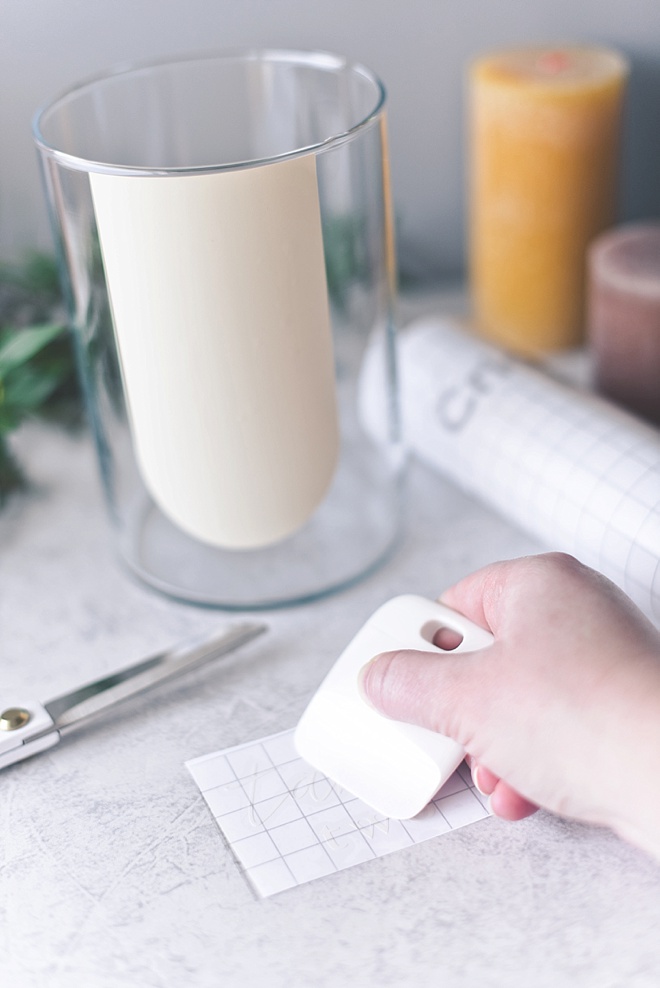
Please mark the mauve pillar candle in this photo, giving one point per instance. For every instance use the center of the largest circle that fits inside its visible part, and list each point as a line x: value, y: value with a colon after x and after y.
x: 623, y: 316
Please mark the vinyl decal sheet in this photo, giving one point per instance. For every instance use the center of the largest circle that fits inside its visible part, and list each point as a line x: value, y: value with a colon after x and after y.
x: 288, y: 824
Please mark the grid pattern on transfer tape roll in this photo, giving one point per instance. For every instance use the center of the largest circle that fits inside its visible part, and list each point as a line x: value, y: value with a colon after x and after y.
x: 288, y: 824
x: 576, y: 472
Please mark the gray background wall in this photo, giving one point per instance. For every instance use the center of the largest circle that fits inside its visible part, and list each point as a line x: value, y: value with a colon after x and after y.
x: 420, y: 48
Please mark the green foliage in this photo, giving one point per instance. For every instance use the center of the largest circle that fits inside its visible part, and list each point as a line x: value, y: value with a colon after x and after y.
x: 37, y: 368
x: 345, y: 257
x: 38, y: 274
x: 31, y: 371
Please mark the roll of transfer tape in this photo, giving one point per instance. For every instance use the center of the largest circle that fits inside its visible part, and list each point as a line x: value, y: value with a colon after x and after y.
x: 574, y: 471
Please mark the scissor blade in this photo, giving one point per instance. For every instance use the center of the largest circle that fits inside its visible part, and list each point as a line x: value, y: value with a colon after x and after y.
x: 72, y: 709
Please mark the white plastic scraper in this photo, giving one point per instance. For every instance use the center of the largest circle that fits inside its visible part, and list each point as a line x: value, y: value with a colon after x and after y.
x: 396, y: 768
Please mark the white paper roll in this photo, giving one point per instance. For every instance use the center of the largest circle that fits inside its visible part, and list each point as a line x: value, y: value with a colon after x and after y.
x: 574, y: 471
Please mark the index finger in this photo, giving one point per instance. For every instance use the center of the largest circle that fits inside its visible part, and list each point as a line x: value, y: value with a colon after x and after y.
x: 477, y: 596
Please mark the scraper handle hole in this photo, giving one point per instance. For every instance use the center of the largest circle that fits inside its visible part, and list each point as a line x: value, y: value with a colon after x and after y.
x: 442, y: 637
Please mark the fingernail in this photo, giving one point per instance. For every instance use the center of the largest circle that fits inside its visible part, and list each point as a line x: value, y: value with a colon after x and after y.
x: 361, y: 678
x: 475, y: 779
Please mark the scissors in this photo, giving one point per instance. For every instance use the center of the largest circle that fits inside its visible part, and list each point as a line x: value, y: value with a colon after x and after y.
x: 29, y: 727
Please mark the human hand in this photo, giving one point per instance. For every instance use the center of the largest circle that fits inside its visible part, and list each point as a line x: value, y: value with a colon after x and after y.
x: 563, y: 711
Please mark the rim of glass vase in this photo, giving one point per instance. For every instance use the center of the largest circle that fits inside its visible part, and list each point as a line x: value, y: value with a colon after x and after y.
x: 326, y: 61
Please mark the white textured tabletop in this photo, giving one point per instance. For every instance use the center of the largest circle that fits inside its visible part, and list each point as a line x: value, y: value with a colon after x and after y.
x: 115, y: 874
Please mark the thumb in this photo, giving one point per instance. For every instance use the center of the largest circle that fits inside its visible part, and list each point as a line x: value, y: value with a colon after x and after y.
x: 424, y: 688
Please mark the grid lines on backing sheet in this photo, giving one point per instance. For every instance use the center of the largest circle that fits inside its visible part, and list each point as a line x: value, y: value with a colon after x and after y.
x: 584, y: 479
x: 288, y: 824
x: 565, y: 465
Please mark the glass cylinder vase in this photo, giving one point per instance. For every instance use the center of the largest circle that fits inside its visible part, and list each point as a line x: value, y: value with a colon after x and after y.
x: 225, y: 235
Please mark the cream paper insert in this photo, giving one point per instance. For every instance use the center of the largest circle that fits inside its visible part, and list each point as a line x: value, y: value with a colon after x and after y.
x: 220, y: 305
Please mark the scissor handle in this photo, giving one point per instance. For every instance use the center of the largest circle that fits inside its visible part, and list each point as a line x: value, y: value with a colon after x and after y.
x: 26, y: 728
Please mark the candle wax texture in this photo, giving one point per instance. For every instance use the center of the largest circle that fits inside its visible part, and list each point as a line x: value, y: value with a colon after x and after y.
x: 623, y: 316
x: 544, y: 138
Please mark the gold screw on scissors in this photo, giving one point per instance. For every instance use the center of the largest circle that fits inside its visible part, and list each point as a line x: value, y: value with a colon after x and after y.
x: 13, y: 718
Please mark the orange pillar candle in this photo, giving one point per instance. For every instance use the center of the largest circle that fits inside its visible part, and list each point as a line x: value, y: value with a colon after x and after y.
x: 544, y: 137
